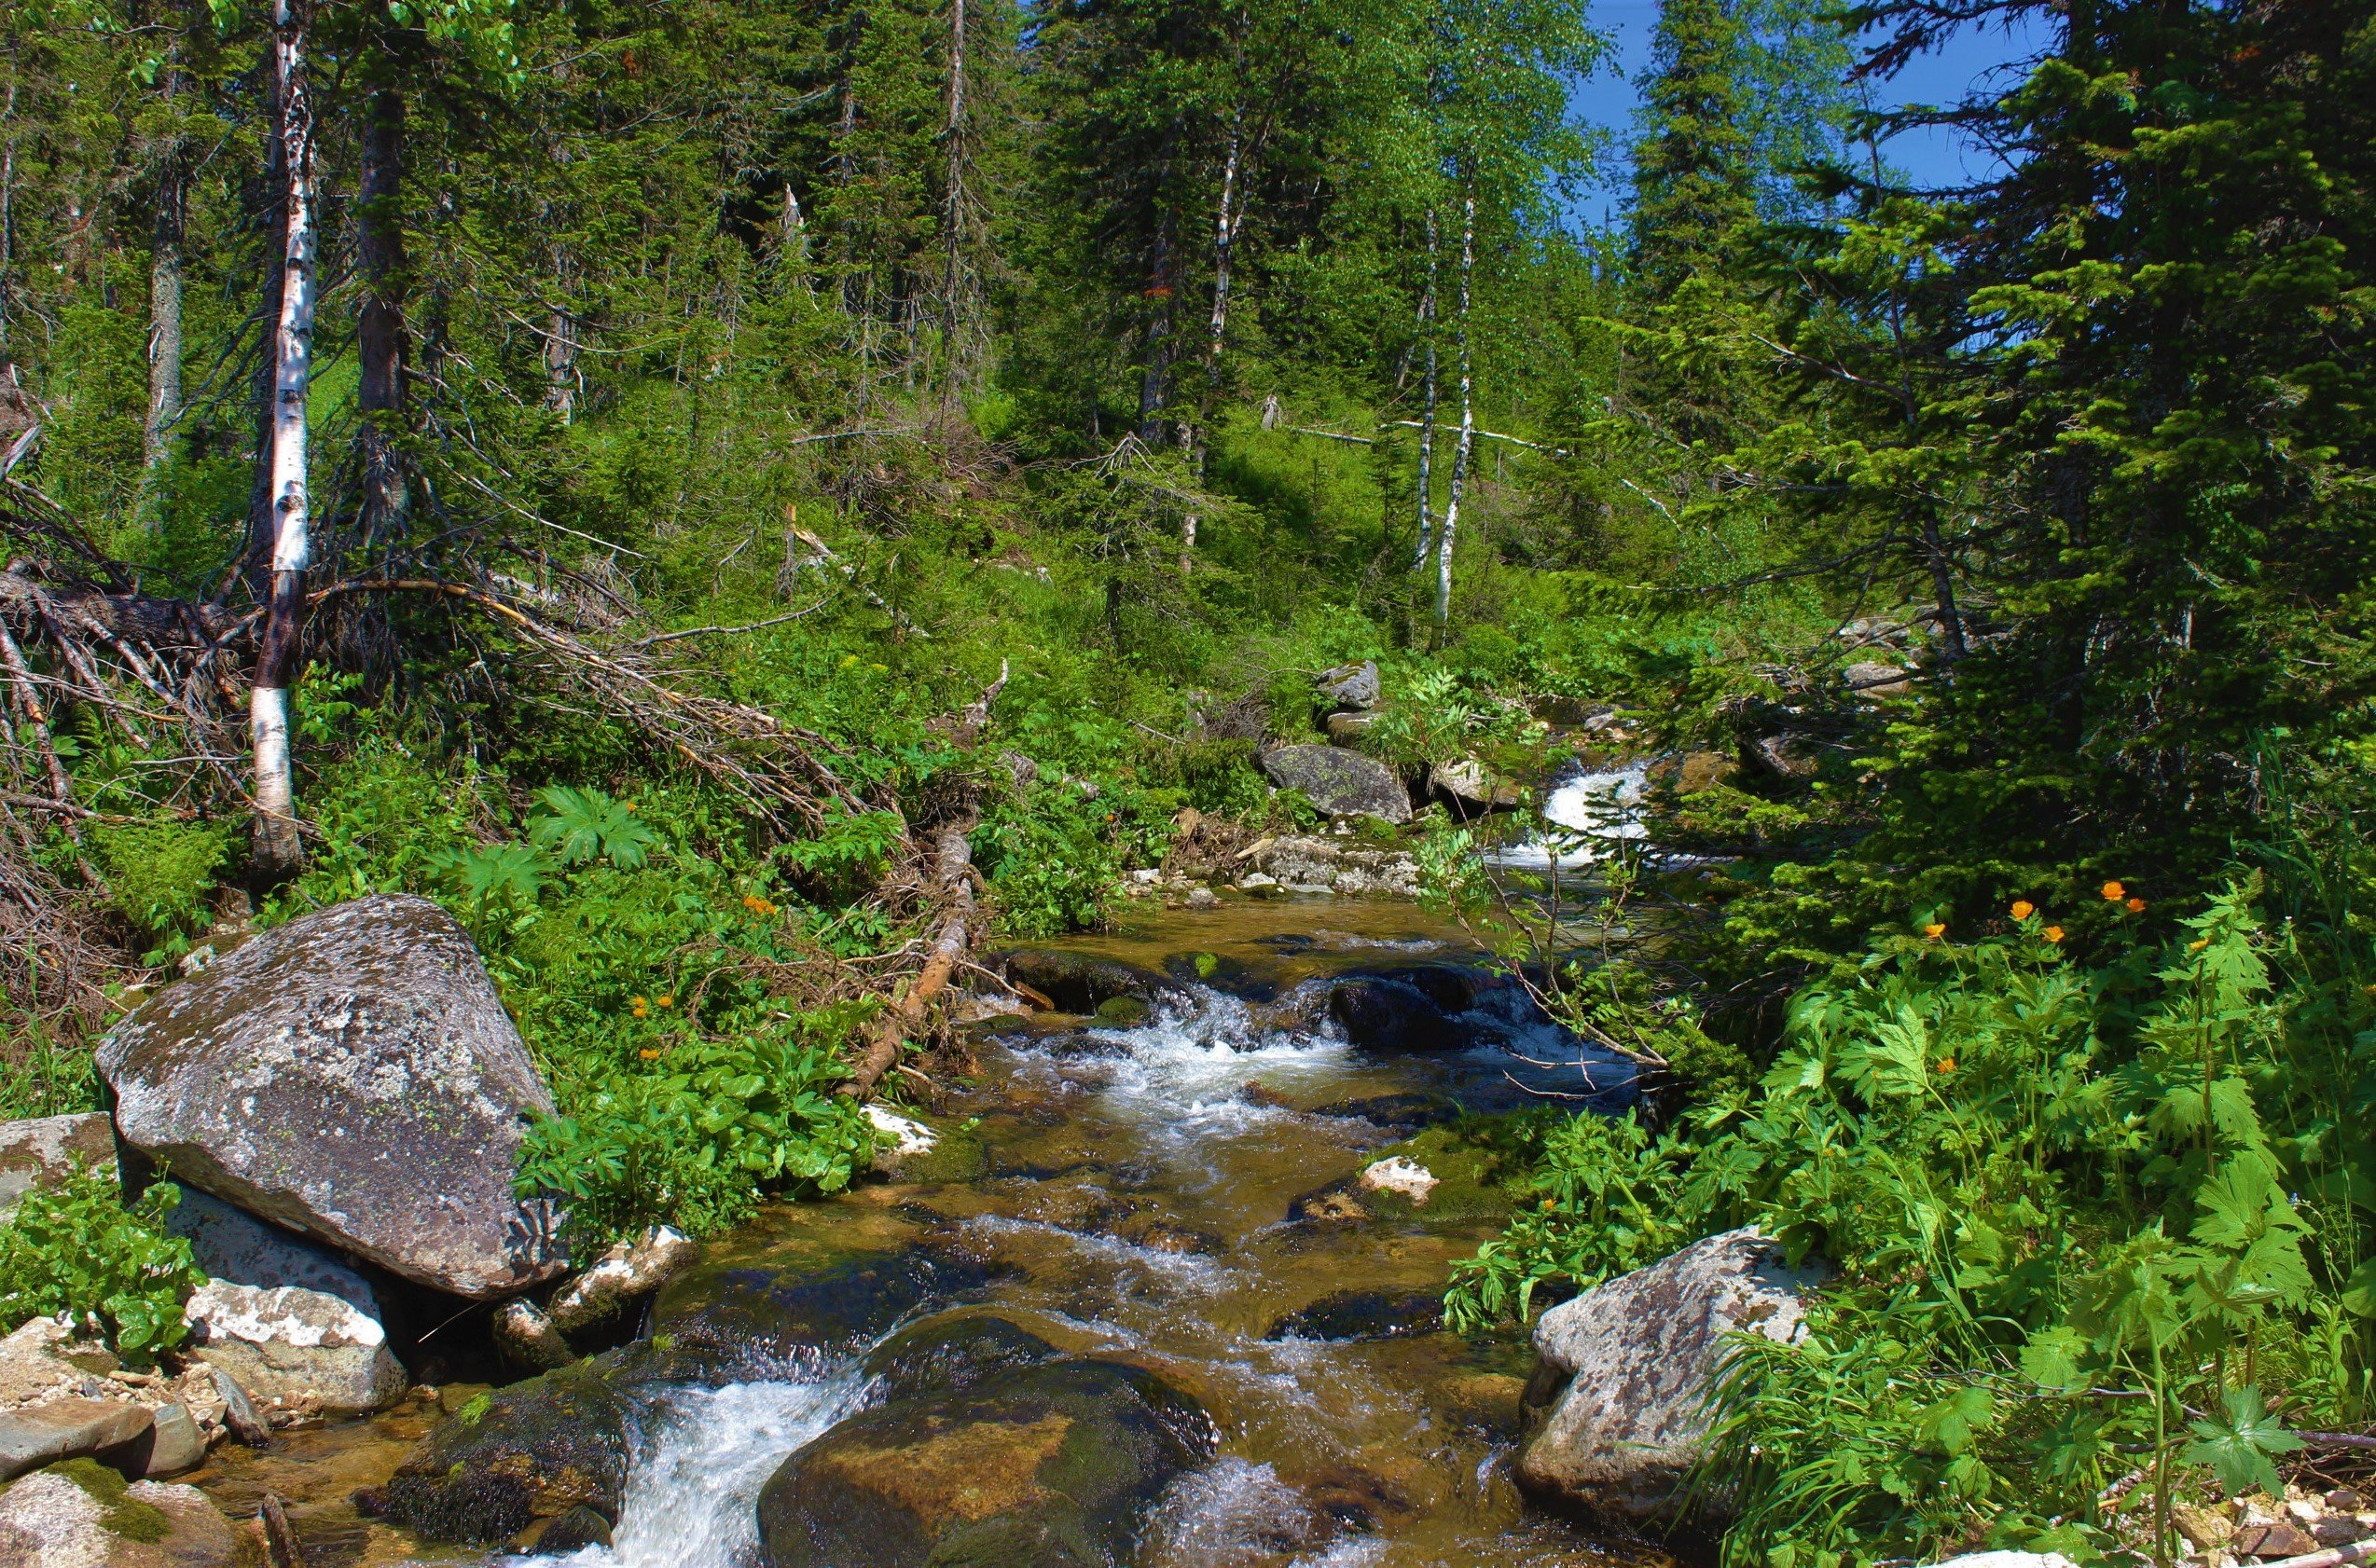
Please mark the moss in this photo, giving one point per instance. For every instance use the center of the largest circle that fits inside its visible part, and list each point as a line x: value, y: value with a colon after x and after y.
x: 124, y: 1515
x: 1466, y: 1189
x: 959, y: 1155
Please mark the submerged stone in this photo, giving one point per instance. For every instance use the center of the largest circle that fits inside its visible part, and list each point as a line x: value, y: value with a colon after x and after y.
x: 944, y: 1355
x: 1048, y: 1467
x: 1081, y: 981
x: 723, y: 1319
x: 1362, y: 1315
x: 530, y: 1451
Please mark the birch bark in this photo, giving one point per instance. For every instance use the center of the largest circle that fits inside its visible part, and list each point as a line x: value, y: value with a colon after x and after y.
x: 1468, y: 415
x: 279, y: 853
x: 1426, y: 418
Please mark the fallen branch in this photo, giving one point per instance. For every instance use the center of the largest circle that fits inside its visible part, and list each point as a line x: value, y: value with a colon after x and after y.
x: 953, y: 882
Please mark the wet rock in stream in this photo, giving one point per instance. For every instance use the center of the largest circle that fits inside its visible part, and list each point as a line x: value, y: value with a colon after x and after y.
x: 947, y: 1355
x: 718, y: 1319
x: 1362, y: 1315
x: 564, y: 1439
x: 1081, y: 983
x: 1046, y: 1467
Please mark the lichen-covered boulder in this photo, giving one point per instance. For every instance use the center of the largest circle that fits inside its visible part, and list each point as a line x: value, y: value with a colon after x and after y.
x: 1340, y: 782
x: 83, y: 1514
x: 1048, y: 1466
x: 1631, y: 1359
x: 351, y: 1075
x: 44, y: 1149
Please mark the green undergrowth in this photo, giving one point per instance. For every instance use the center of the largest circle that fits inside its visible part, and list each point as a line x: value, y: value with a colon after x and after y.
x: 2088, y: 1219
x: 79, y: 1248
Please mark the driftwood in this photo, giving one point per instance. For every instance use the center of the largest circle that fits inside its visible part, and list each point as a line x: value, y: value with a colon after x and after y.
x: 954, y: 926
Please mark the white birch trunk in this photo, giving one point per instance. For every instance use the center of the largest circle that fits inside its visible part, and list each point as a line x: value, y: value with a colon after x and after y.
x: 277, y: 845
x: 1468, y: 416
x: 1225, y: 240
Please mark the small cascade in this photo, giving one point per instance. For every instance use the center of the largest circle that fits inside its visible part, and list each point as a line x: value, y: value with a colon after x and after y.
x: 1586, y: 816
x: 691, y: 1500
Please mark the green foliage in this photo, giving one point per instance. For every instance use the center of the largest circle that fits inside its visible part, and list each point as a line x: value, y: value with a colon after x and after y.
x: 581, y: 825
x: 160, y: 873
x: 698, y: 1141
x: 79, y: 1248
x: 2060, y: 1215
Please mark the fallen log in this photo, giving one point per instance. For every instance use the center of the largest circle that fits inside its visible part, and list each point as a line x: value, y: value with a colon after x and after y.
x: 953, y: 884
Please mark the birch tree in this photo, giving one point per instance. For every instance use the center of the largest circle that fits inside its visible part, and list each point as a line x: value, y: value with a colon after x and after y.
x: 1462, y: 447
x: 279, y: 853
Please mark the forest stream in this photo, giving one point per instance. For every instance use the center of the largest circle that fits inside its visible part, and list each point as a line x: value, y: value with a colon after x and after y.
x: 1170, y: 1195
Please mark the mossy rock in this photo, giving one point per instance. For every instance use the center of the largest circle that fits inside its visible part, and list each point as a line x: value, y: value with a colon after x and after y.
x: 1048, y: 1466
x: 84, y: 1513
x: 959, y: 1154
x: 124, y: 1516
x: 1124, y: 1012
x: 1466, y: 1190
x: 530, y: 1451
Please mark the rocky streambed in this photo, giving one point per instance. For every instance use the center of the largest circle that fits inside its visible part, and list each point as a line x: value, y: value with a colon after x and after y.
x: 1158, y: 1285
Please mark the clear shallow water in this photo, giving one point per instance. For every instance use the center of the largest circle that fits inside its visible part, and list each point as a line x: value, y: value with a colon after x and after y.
x: 1136, y: 1205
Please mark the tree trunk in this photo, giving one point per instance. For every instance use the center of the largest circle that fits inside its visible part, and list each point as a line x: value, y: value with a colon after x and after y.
x: 1468, y: 416
x: 380, y: 334
x: 953, y: 199
x: 561, y: 349
x: 1427, y: 416
x: 1151, y: 386
x: 1224, y: 241
x: 165, y: 298
x: 279, y: 854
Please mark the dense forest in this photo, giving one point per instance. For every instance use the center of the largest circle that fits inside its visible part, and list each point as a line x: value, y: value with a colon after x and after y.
x: 746, y: 503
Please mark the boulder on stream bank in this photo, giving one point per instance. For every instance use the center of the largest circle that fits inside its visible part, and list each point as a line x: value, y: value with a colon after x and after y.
x: 1045, y: 1467
x: 42, y: 1151
x: 1339, y: 782
x: 352, y: 1075
x: 1623, y: 1369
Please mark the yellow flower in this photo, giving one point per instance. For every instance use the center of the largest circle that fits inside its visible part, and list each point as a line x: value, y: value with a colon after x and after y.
x: 2198, y: 944
x: 1934, y: 930
x: 649, y: 1054
x: 2136, y: 906
x: 2023, y: 909
x: 668, y: 1001
x: 2054, y: 933
x: 2114, y: 892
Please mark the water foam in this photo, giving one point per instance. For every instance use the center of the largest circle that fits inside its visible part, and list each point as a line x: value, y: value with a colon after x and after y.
x: 691, y: 1500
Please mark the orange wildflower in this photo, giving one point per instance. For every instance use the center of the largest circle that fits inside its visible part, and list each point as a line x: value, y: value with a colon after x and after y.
x: 2114, y: 892
x: 649, y: 1054
x: 2136, y: 906
x: 2054, y: 933
x: 1934, y: 930
x: 1947, y: 1064
x: 668, y: 1001
x: 2023, y: 909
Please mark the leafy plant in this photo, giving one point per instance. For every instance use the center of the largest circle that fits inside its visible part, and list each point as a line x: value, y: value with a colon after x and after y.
x: 77, y: 1248
x: 581, y: 825
x: 159, y: 871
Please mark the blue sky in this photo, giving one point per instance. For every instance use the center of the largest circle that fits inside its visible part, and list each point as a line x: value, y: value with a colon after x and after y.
x: 1931, y: 158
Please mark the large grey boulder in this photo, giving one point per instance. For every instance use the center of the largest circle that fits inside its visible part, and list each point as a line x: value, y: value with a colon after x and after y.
x: 351, y: 1075
x: 83, y: 1514
x: 42, y: 1151
x: 299, y: 1348
x: 1340, y: 782
x: 1636, y: 1354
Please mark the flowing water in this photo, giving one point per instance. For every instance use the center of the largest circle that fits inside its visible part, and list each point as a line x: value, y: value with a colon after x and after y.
x: 1133, y: 1200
